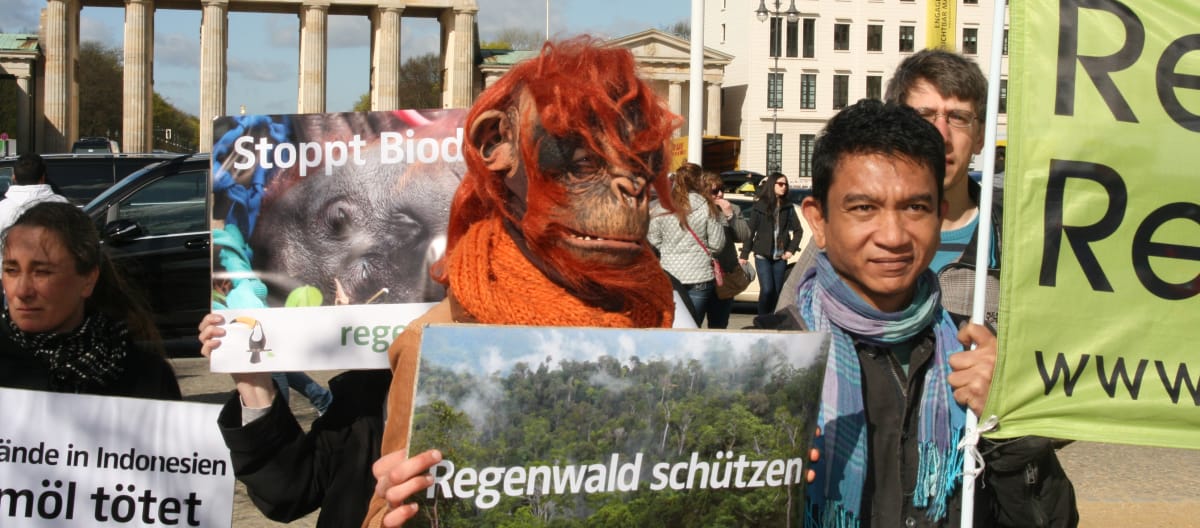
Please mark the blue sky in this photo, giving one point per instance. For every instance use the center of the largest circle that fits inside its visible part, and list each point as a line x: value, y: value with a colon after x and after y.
x: 262, y: 57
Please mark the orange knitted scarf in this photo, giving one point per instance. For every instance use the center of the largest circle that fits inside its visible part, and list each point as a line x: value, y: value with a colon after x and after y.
x: 496, y: 284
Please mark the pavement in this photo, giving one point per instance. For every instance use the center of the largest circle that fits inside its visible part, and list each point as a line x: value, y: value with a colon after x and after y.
x: 1117, y: 486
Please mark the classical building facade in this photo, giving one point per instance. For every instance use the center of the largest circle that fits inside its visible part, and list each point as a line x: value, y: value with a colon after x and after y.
x: 663, y: 61
x: 787, y: 78
x: 60, y: 48
x: 21, y: 61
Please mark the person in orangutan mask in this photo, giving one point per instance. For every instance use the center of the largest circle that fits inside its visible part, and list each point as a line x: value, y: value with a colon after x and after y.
x: 548, y: 227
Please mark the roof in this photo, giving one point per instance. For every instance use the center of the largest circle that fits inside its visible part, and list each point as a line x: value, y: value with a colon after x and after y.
x: 26, y: 42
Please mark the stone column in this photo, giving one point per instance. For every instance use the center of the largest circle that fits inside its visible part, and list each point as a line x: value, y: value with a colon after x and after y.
x: 385, y: 55
x: 675, y: 102
x: 24, y: 127
x: 313, y: 37
x: 460, y: 55
x: 214, y: 41
x: 712, y: 118
x: 138, y: 97
x: 56, y: 42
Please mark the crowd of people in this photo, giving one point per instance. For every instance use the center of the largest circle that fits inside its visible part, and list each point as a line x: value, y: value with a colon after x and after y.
x: 556, y: 224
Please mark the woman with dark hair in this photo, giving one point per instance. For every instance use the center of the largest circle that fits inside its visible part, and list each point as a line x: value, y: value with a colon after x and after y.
x: 71, y: 323
x: 688, y: 240
x: 775, y: 233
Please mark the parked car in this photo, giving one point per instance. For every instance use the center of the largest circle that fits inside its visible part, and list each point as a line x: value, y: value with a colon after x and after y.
x: 95, y: 145
x: 82, y: 177
x: 745, y: 202
x: 154, y: 224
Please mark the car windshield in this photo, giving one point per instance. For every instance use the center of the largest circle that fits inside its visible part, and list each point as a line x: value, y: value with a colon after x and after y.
x: 125, y: 182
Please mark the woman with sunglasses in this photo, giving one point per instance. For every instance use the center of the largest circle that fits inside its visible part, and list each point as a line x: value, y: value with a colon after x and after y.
x: 775, y: 234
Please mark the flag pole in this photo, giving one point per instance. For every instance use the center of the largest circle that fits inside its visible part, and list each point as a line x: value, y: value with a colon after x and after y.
x: 984, y: 245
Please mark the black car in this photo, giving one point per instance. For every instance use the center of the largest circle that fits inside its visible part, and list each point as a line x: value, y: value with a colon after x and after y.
x: 155, y: 226
x: 82, y: 177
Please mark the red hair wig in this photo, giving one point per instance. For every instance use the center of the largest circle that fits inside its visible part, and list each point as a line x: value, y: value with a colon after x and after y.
x: 578, y: 90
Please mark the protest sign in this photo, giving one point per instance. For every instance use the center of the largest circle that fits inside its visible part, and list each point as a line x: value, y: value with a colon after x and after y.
x: 316, y: 213
x: 616, y: 427
x: 75, y: 460
x: 1101, y: 265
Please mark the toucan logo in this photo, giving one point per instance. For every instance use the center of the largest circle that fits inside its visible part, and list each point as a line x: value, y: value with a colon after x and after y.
x: 258, y: 338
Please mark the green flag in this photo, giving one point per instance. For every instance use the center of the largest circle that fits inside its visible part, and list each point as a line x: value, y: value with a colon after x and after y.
x: 1100, y: 312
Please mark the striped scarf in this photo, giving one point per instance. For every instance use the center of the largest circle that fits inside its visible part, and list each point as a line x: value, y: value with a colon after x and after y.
x: 835, y: 498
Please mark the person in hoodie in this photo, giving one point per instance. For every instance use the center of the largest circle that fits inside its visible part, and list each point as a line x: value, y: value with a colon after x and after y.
x: 28, y: 188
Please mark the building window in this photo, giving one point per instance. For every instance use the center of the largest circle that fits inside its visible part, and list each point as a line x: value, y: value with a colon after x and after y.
x: 774, y: 153
x: 810, y: 38
x: 808, y: 91
x: 841, y: 91
x: 970, y: 45
x: 774, y: 90
x: 908, y: 36
x: 970, y: 2
x: 793, y: 38
x: 1003, y: 106
x: 841, y: 37
x: 874, y: 87
x: 806, y: 152
x: 1004, y: 45
x: 776, y: 36
x: 874, y: 38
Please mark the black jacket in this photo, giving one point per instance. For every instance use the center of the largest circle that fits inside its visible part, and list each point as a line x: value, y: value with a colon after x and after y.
x: 145, y: 373
x: 1005, y: 496
x: 289, y: 473
x: 762, y: 230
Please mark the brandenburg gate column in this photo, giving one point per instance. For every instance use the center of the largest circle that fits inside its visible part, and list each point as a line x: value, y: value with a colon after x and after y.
x: 313, y: 37
x: 60, y: 44
x: 385, y: 55
x: 460, y: 57
x: 675, y: 102
x: 214, y: 41
x: 712, y: 122
x: 24, y: 126
x: 136, y: 121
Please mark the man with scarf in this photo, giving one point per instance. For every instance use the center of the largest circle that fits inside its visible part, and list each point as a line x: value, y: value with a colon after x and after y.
x: 548, y: 227
x: 898, y: 381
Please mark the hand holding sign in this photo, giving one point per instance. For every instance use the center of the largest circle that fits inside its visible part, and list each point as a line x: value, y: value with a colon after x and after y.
x: 399, y: 478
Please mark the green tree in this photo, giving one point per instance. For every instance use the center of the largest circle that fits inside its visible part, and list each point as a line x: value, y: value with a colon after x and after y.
x: 364, y: 103
x: 101, y: 85
x: 515, y: 39
x: 420, y: 84
x: 101, y: 81
x: 681, y: 29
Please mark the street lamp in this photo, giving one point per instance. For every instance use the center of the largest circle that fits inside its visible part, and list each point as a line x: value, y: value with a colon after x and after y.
x: 792, y: 17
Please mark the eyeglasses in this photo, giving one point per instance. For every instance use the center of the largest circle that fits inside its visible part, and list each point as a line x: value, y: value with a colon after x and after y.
x: 955, y: 118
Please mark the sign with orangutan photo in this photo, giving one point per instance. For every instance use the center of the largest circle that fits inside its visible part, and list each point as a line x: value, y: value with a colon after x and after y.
x: 324, y: 227
x: 561, y: 426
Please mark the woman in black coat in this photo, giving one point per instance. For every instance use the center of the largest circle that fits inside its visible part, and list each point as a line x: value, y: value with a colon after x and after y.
x: 775, y: 234
x: 71, y: 323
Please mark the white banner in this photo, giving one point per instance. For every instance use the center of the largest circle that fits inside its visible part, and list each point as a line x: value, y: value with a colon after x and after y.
x: 333, y: 338
x: 74, y: 460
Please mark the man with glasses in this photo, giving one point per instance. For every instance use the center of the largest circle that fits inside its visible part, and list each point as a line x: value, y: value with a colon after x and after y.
x: 950, y: 91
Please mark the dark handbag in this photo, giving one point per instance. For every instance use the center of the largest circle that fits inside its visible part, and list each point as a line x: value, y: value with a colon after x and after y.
x: 718, y: 273
x: 736, y: 281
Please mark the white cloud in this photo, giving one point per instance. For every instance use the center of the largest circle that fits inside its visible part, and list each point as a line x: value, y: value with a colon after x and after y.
x: 269, y: 71
x: 94, y: 29
x: 173, y: 50
x: 21, y: 16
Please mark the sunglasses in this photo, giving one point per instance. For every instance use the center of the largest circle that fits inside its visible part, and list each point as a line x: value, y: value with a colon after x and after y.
x: 716, y: 192
x: 781, y: 183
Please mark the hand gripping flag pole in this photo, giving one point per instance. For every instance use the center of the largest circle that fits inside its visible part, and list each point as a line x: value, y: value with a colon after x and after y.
x: 972, y: 461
